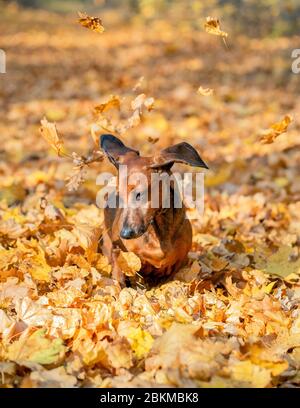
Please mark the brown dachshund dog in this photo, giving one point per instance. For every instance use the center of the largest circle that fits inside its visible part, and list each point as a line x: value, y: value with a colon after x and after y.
x: 160, y: 237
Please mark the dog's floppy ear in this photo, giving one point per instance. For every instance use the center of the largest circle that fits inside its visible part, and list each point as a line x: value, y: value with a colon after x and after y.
x: 114, y: 149
x: 179, y: 153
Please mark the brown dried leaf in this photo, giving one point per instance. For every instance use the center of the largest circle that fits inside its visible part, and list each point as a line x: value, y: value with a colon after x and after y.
x: 135, y: 119
x: 212, y: 26
x: 77, y: 178
x: 138, y: 102
x: 48, y: 131
x: 92, y: 23
x: 153, y: 140
x: 113, y: 102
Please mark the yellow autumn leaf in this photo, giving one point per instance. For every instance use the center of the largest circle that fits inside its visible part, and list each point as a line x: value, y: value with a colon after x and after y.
x: 49, y: 133
x: 277, y: 129
x: 39, y: 268
x: 212, y: 26
x: 92, y: 23
x: 112, y: 102
x: 275, y: 364
x: 249, y: 373
x: 87, y: 236
x: 129, y: 263
x: 140, y: 340
x: 205, y: 91
x: 37, y: 348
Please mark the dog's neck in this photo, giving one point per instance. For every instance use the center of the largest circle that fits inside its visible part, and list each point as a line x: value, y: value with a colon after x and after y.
x: 167, y: 222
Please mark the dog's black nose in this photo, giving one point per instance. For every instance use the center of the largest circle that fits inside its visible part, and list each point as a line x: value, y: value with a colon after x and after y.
x: 127, y: 233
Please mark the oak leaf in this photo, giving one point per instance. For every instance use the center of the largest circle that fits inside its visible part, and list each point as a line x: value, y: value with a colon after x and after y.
x: 49, y: 132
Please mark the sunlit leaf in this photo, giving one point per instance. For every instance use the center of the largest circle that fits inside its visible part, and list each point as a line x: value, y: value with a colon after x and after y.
x: 270, y: 135
x: 92, y: 23
x: 129, y: 263
x: 212, y: 26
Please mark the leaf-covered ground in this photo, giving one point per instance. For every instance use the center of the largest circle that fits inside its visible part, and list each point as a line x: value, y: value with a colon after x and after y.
x: 232, y: 317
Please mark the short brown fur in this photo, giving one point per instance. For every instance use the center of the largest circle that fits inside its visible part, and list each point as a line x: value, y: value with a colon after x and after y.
x: 160, y: 237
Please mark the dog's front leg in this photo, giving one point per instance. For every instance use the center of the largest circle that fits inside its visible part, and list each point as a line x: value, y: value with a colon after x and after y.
x: 116, y: 270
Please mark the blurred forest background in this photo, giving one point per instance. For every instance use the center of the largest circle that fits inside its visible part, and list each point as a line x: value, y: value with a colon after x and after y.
x: 253, y: 17
x: 234, y: 311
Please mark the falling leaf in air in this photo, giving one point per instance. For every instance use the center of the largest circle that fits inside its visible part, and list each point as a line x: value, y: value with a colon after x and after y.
x: 95, y: 132
x: 270, y: 135
x: 135, y: 119
x: 92, y: 23
x: 205, y: 91
x: 153, y: 140
x: 138, y: 84
x: 76, y: 179
x: 212, y: 26
x: 49, y: 132
x: 129, y: 263
x: 80, y: 169
x: 113, y: 102
x: 138, y: 102
x: 149, y: 104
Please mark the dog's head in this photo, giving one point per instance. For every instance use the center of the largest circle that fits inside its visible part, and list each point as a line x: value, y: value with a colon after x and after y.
x: 139, y: 189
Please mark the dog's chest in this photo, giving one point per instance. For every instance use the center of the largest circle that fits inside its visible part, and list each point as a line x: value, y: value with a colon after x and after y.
x: 152, y: 251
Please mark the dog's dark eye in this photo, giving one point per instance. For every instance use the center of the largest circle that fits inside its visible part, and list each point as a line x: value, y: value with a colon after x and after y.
x: 138, y: 196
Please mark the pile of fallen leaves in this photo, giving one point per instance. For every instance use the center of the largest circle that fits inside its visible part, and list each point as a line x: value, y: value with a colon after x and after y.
x: 231, y: 317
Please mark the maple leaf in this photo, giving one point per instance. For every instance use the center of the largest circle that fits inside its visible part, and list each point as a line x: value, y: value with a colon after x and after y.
x: 92, y: 23
x: 39, y: 268
x: 280, y: 263
x: 270, y: 135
